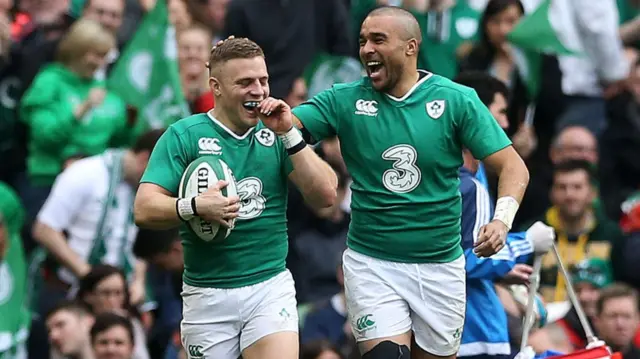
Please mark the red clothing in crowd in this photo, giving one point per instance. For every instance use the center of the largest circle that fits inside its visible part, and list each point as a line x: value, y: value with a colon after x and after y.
x: 203, y: 103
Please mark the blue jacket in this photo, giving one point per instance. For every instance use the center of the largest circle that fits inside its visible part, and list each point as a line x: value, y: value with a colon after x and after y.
x: 485, y: 328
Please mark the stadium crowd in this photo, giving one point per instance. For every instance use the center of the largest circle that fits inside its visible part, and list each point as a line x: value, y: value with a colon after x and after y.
x: 71, y: 290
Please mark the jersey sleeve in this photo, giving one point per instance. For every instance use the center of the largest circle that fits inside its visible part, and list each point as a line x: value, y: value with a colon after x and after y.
x: 70, y: 191
x: 319, y: 115
x: 478, y: 130
x: 167, y: 162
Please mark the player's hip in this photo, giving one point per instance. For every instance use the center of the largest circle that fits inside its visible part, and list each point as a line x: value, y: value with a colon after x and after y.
x: 362, y: 271
x: 221, y: 323
x: 209, y: 305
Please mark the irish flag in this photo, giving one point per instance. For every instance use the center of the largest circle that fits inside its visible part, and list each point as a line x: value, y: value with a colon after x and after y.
x: 539, y: 32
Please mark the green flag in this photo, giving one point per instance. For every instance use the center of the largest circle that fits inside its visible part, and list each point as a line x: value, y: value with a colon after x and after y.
x: 146, y: 74
x: 15, y: 317
x: 534, y: 35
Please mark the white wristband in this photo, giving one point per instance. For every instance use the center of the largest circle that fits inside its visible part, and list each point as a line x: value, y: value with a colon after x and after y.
x: 292, y: 138
x: 506, y: 209
x: 185, y: 209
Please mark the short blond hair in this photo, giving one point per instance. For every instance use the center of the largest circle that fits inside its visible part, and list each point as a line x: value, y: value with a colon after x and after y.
x: 84, y: 36
x: 231, y: 49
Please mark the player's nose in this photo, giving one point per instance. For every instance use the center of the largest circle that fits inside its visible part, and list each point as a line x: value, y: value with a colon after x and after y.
x: 258, y: 90
x: 368, y: 48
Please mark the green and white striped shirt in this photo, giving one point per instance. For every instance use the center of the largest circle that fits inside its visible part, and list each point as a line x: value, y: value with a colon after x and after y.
x: 91, y: 202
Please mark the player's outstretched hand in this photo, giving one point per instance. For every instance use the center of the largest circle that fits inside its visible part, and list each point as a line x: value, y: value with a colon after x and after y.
x: 212, y: 206
x: 491, y: 238
x: 276, y: 115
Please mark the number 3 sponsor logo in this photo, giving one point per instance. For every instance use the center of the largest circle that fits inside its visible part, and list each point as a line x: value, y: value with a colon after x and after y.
x: 404, y: 176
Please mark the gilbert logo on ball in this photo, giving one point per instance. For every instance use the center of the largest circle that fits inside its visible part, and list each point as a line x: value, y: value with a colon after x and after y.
x: 201, y: 174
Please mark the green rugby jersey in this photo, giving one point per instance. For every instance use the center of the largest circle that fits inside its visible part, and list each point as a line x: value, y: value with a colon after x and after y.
x: 257, y: 247
x: 404, y: 155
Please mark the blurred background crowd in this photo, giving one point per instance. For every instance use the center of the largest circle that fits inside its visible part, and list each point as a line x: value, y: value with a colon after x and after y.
x: 82, y: 78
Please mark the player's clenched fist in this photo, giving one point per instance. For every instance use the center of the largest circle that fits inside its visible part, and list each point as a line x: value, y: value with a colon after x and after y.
x: 491, y: 238
x: 212, y: 206
x: 276, y: 115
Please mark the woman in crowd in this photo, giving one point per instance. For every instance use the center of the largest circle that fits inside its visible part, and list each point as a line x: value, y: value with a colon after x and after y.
x: 68, y: 112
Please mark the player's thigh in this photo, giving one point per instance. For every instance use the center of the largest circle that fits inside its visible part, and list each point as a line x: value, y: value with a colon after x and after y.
x: 438, y: 310
x: 278, y: 345
x: 376, y: 311
x: 210, y: 324
x: 270, y: 319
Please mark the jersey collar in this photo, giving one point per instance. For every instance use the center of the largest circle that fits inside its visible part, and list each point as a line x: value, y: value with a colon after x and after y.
x: 227, y: 130
x: 427, y: 75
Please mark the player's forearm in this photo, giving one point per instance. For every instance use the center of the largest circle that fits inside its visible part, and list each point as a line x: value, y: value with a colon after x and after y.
x: 315, y: 179
x: 155, y: 210
x: 57, y: 245
x: 513, y: 179
x: 512, y: 184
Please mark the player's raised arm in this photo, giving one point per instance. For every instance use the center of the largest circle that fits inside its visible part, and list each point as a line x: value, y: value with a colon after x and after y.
x: 314, y: 177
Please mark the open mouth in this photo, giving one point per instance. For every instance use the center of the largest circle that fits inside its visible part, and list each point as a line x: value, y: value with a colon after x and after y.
x: 374, y: 68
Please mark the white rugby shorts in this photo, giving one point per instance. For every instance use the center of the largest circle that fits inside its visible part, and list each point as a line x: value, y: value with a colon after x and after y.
x: 221, y: 323
x: 389, y: 298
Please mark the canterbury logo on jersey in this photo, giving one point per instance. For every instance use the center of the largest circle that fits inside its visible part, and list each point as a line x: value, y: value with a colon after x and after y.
x: 209, y: 146
x: 367, y: 108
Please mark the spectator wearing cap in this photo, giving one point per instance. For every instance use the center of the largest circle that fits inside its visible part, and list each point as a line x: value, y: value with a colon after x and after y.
x: 589, y: 277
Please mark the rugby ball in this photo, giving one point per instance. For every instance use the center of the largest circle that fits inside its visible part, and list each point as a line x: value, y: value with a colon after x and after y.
x: 201, y: 174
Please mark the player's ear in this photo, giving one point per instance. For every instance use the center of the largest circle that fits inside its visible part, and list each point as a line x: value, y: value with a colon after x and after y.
x: 214, y: 85
x: 412, y: 47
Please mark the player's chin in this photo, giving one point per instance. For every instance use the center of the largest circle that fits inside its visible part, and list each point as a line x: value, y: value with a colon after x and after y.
x: 249, y: 113
x: 250, y: 117
x: 380, y: 84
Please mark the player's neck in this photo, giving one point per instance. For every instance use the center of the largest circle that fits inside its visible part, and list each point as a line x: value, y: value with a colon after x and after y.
x: 406, y: 83
x: 225, y: 119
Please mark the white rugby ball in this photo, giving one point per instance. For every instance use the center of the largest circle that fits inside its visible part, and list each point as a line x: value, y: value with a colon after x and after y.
x: 201, y: 174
